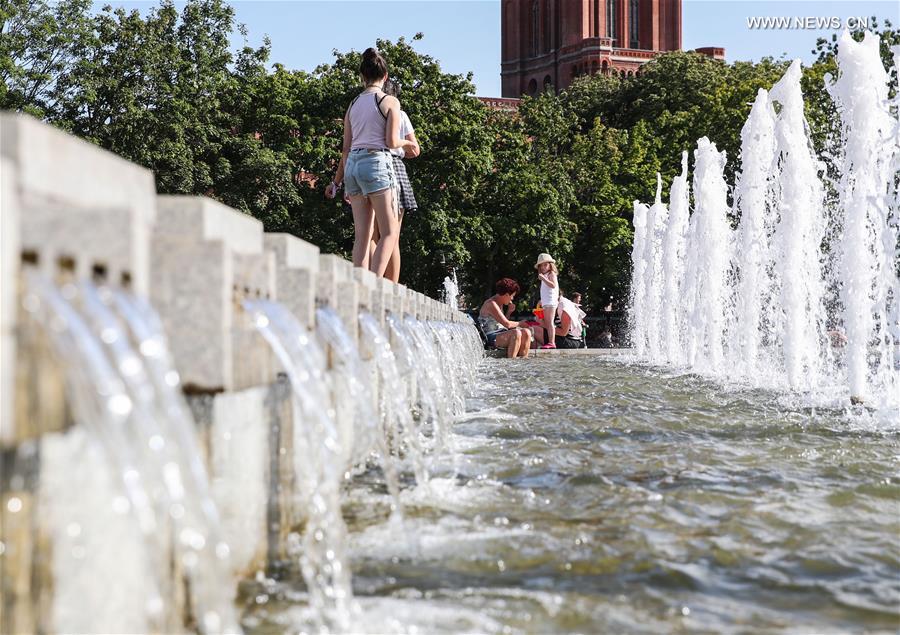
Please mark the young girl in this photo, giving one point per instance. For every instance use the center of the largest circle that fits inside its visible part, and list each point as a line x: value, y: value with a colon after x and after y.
x: 547, y: 273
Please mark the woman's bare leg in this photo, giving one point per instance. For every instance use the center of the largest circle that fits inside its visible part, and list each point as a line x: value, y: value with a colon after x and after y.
x: 525, y: 348
x: 393, y: 269
x: 508, y: 340
x: 388, y: 227
x: 362, y: 229
x: 374, y: 242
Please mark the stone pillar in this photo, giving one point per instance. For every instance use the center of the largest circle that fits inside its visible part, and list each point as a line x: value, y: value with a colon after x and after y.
x: 79, y: 203
x: 297, y: 266
x: 9, y: 297
x: 401, y: 301
x: 73, y: 210
x: 207, y: 259
x: 336, y: 289
x: 366, y: 288
x: 383, y: 299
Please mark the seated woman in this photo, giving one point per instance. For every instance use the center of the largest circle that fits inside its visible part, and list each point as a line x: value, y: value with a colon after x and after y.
x: 500, y: 331
x: 570, y: 331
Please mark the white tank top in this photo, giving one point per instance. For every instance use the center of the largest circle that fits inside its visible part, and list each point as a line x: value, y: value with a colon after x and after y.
x: 549, y: 295
x: 367, y: 122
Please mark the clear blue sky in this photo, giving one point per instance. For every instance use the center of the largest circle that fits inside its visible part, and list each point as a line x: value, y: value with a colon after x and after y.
x: 464, y: 35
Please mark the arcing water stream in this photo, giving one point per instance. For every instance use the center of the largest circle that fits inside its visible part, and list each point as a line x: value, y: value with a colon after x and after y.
x: 804, y: 295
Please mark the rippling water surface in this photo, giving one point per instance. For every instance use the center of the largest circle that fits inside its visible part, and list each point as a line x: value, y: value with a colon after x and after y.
x: 587, y: 495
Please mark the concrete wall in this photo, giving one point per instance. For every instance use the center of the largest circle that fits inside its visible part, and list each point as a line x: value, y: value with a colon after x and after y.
x: 70, y: 210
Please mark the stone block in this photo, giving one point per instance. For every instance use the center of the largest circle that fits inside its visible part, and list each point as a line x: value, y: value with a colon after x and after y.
x: 330, y: 269
x: 297, y: 265
x: 9, y: 295
x: 208, y: 258
x: 253, y: 363
x: 97, y: 569
x: 383, y: 299
x: 401, y: 300
x: 336, y: 288
x: 238, y: 443
x: 365, y: 282
x: 416, y: 304
x: 78, y: 204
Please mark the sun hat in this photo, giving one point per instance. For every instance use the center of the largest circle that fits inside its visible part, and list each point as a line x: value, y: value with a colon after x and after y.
x: 542, y: 259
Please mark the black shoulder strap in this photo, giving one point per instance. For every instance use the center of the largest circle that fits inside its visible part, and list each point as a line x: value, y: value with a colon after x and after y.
x: 378, y: 105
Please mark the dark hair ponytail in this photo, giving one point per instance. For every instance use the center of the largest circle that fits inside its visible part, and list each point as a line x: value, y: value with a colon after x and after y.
x: 372, y: 67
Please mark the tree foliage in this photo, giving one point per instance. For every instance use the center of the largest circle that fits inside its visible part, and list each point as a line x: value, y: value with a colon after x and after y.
x: 166, y: 89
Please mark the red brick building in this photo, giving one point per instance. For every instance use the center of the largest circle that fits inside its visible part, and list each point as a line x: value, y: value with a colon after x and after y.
x: 551, y: 42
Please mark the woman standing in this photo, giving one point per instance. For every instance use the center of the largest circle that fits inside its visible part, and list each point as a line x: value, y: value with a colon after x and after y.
x: 405, y: 196
x: 371, y: 130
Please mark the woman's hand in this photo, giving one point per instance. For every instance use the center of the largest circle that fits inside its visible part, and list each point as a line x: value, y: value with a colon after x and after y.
x: 331, y: 190
x: 414, y: 149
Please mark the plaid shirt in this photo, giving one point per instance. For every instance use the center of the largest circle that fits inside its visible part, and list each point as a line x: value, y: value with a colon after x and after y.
x: 407, y: 198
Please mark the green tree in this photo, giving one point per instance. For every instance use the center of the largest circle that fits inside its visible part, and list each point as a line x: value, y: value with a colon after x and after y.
x: 40, y: 42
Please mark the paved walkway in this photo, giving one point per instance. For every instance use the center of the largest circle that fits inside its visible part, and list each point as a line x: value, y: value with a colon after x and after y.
x: 597, y: 352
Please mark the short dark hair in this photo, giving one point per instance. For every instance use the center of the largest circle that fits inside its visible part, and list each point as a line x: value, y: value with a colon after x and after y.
x: 391, y: 88
x: 372, y: 67
x: 506, y: 285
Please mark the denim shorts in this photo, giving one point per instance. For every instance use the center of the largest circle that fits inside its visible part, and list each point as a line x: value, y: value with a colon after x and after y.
x: 368, y: 171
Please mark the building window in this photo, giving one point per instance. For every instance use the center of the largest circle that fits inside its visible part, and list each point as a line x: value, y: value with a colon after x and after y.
x: 547, y: 83
x: 596, y: 25
x: 611, y: 19
x: 546, y: 16
x: 633, y: 24
x: 535, y: 27
x: 532, y: 87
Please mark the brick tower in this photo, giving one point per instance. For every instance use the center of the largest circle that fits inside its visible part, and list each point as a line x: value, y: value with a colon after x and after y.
x: 551, y: 42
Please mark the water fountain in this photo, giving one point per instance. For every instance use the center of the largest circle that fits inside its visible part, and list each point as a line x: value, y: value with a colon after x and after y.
x: 451, y: 290
x: 126, y: 393
x: 154, y: 461
x: 674, y: 253
x: 754, y: 304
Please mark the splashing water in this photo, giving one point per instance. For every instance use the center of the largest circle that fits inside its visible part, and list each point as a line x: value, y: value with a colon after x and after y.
x: 638, y: 311
x: 752, y: 321
x: 673, y: 246
x: 657, y: 217
x: 798, y: 235
x: 320, y: 462
x: 708, y: 240
x: 129, y: 404
x: 451, y: 290
x: 395, y: 410
x: 427, y: 362
x: 868, y: 262
x: 756, y: 301
x: 362, y: 429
